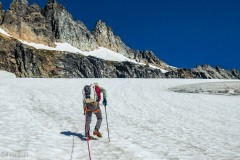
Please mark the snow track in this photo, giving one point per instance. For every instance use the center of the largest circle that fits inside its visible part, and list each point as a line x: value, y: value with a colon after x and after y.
x: 43, y: 119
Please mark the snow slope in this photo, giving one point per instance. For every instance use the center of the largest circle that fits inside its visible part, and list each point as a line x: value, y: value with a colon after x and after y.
x: 43, y: 119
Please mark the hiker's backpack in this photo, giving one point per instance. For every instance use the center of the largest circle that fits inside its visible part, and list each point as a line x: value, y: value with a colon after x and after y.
x: 91, y: 93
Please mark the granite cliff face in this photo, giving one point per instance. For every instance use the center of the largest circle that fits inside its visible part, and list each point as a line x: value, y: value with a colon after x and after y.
x: 48, y: 25
x: 65, y: 29
x: 54, y: 24
x: 26, y: 23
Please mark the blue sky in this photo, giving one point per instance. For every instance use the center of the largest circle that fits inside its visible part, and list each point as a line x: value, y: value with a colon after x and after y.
x: 183, y: 33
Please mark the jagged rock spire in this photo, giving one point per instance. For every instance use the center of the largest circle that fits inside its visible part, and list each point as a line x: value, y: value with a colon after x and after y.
x: 1, y: 13
x: 51, y: 1
x: 49, y: 8
x: 106, y: 38
x: 50, y: 4
x: 19, y: 6
x: 13, y: 4
x: 24, y: 4
x: 100, y: 27
x: 99, y: 24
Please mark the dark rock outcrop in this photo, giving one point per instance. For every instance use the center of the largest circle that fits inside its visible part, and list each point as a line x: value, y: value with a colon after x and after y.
x: 149, y: 57
x: 204, y: 72
x: 235, y: 73
x: 27, y: 61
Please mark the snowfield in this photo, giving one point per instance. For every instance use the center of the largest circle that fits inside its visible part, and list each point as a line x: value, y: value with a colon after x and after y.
x: 42, y: 119
x: 220, y: 88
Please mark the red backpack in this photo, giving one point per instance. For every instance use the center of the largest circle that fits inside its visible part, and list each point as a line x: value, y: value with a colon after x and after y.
x: 98, y: 92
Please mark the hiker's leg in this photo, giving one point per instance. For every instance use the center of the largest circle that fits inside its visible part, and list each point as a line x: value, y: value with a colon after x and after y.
x: 99, y: 119
x: 88, y: 122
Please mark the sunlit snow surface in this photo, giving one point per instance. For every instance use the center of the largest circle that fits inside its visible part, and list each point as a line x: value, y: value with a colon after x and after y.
x: 146, y: 121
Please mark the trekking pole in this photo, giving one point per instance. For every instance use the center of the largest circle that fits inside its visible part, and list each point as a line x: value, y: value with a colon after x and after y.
x: 107, y: 123
x: 89, y: 153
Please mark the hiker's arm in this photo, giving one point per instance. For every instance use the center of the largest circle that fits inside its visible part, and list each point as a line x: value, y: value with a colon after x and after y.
x: 104, y: 96
x: 104, y: 92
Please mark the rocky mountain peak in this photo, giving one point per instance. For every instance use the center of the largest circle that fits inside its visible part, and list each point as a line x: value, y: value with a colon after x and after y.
x: 25, y: 3
x: 51, y: 1
x: 105, y: 38
x: 13, y: 5
x: 34, y: 8
x: 52, y: 4
x: 24, y: 7
x: 18, y: 4
x: 100, y: 26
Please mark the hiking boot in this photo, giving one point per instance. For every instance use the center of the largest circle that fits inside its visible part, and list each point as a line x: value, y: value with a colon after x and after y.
x: 97, y: 133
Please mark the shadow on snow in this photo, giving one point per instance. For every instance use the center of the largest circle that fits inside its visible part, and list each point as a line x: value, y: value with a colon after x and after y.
x: 69, y: 133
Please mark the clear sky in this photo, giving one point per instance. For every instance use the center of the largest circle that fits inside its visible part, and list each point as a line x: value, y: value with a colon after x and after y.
x: 183, y: 33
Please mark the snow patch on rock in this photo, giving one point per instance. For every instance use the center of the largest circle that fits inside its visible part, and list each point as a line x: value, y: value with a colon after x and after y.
x: 5, y: 33
x: 5, y: 74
